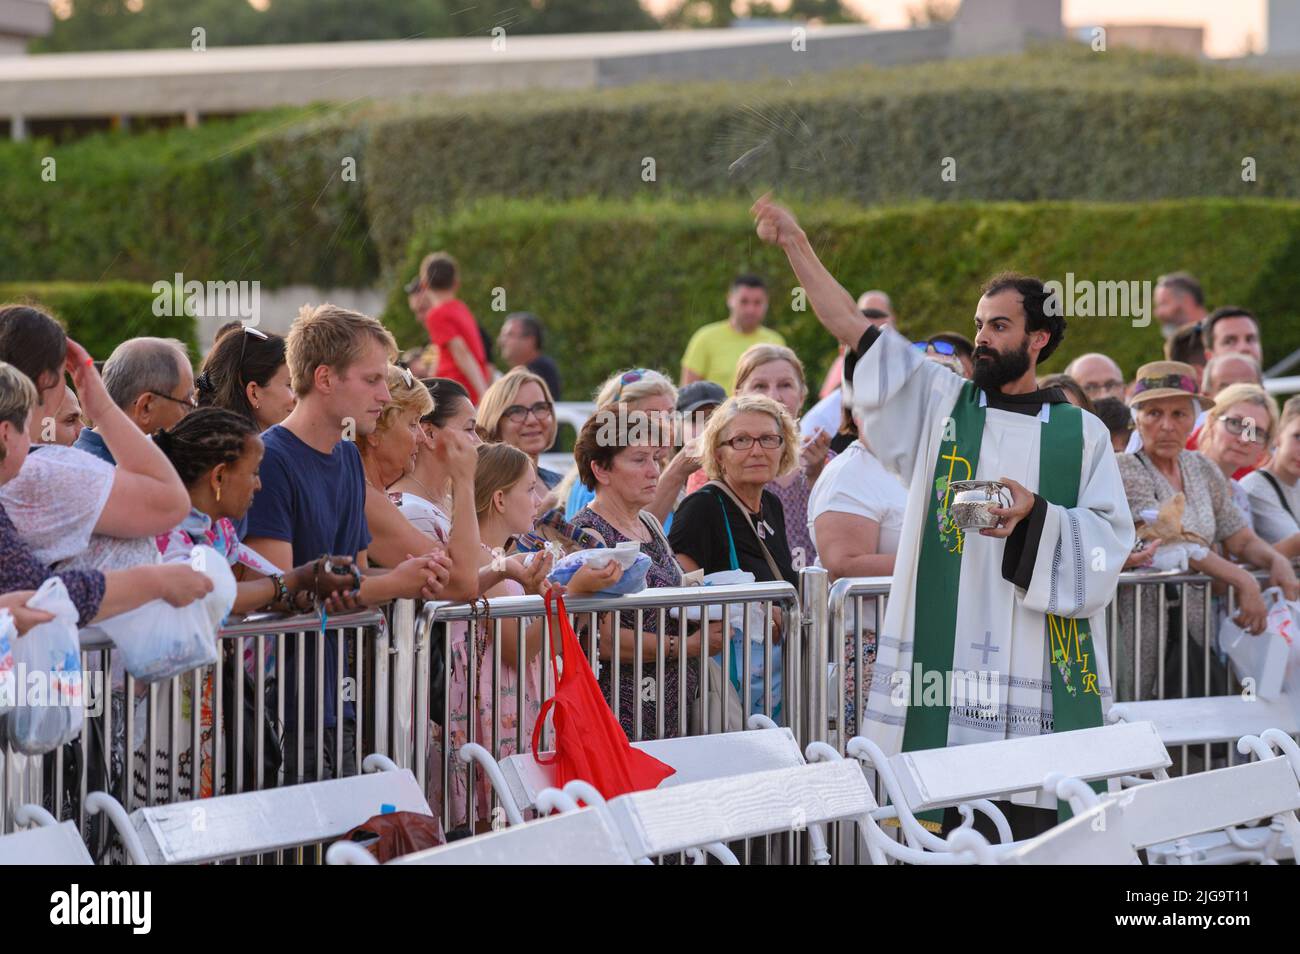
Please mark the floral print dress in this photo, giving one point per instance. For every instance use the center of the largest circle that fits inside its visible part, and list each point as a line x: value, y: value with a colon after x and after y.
x: 475, y: 708
x: 664, y: 571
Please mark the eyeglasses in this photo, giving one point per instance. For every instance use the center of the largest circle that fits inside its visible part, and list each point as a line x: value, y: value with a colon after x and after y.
x: 188, y: 402
x: 1099, y: 387
x: 518, y: 413
x: 243, y: 347
x: 743, y: 442
x: 940, y: 347
x: 1245, y: 427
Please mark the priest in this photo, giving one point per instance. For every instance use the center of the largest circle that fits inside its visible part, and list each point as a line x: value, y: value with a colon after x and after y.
x: 1020, y: 605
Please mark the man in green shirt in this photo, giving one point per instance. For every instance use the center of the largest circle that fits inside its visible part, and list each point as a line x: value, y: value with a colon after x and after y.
x: 715, y: 349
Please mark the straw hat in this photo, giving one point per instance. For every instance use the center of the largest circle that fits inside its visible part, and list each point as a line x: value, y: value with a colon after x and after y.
x: 1164, y: 379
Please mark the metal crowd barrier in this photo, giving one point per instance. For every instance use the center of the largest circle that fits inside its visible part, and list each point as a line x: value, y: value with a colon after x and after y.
x: 217, y: 730
x: 248, y: 722
x: 472, y: 697
x: 1166, y: 650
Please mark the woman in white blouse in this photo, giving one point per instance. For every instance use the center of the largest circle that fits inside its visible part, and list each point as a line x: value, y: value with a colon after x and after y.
x: 1274, y: 489
x: 855, y: 517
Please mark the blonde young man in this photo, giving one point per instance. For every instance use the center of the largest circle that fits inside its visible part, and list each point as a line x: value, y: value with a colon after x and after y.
x: 312, y: 498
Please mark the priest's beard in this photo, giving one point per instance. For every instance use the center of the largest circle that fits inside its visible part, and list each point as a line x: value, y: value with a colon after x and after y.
x: 1001, y: 368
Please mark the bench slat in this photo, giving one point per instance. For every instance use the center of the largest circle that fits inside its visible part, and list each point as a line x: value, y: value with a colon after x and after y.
x: 672, y: 819
x: 584, y: 837
x: 45, y: 845
x: 230, y: 826
x: 1210, y: 719
x: 696, y: 758
x: 1208, y: 801
x: 937, y: 778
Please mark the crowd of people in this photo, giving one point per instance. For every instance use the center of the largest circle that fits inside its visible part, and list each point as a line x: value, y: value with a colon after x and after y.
x: 331, y: 472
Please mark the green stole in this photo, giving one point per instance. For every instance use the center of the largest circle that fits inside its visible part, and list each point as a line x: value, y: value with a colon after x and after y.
x: 1076, y: 697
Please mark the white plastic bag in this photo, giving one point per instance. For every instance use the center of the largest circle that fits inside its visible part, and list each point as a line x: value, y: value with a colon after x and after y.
x: 628, y: 555
x: 1263, y: 658
x: 8, y: 635
x: 736, y: 611
x: 158, y: 640
x: 48, y: 706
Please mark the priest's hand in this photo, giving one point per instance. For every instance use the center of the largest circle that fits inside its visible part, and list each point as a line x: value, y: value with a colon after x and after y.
x: 1022, y: 502
x: 775, y: 224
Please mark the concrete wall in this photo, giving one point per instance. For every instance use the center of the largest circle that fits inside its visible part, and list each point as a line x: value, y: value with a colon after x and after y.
x: 20, y: 21
x: 995, y: 27
x: 278, y: 308
x: 1283, y: 27
x: 241, y: 79
x: 824, y: 50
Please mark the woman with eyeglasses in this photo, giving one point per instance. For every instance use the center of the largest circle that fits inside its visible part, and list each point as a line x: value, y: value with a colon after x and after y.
x: 517, y: 410
x: 734, y: 522
x: 775, y: 371
x: 246, y: 372
x: 1237, y: 433
x: 387, y: 455
x: 1273, y: 488
x: 645, y: 391
x: 1165, y: 402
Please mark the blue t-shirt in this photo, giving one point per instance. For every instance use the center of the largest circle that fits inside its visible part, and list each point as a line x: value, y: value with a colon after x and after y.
x: 92, y: 443
x: 317, y: 503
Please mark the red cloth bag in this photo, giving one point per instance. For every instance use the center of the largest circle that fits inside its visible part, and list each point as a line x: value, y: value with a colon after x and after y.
x: 589, y: 743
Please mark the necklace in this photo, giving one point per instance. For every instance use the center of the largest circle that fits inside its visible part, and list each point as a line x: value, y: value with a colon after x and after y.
x: 639, y: 535
x: 427, y: 495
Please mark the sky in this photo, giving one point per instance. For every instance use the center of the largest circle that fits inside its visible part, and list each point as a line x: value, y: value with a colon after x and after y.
x: 1229, y: 24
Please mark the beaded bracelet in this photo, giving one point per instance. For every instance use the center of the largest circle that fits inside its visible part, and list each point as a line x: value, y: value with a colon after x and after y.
x: 281, y: 591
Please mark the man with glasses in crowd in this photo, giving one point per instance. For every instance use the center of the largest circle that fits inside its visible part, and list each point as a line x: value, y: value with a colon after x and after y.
x: 152, y: 381
x: 1098, y: 375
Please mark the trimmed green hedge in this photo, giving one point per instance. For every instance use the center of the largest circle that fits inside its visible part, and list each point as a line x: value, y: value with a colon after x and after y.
x: 265, y: 197
x: 102, y: 316
x: 1061, y: 123
x: 621, y: 284
x: 258, y: 198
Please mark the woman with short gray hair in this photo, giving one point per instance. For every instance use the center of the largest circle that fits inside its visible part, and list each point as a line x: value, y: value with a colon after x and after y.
x: 96, y: 595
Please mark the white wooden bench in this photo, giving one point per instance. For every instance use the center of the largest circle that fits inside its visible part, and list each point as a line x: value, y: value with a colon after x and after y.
x: 519, y: 779
x: 584, y: 837
x: 253, y: 823
x: 975, y: 774
x: 47, y: 842
x: 1210, y: 719
x: 1092, y: 837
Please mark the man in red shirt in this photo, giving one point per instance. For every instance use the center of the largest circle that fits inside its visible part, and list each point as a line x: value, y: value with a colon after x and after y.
x: 452, y: 328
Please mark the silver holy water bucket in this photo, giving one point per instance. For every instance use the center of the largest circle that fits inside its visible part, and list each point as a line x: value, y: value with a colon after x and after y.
x: 971, y: 500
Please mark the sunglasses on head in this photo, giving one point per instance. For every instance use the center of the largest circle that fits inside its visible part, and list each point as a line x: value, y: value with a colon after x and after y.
x: 243, y: 347
x: 940, y: 347
x: 629, y: 377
